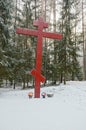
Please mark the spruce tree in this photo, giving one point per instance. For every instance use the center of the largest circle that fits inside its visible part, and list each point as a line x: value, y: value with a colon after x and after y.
x: 68, y: 62
x: 5, y: 16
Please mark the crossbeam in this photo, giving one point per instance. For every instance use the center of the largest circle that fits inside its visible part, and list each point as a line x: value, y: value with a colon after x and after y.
x: 25, y: 31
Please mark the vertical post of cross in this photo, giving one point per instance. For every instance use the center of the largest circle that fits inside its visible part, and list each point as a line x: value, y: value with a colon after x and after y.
x: 40, y: 24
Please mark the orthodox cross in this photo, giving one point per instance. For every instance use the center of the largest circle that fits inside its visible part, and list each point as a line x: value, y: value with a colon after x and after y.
x: 40, y: 34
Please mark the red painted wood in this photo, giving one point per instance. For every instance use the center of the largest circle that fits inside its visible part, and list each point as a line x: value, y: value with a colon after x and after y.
x: 41, y: 24
x: 52, y: 35
x: 40, y: 34
x: 25, y: 31
x: 35, y: 73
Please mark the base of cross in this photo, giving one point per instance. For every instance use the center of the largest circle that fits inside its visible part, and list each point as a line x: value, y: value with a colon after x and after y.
x: 38, y: 79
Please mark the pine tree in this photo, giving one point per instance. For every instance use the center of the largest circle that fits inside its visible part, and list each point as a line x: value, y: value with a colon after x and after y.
x: 5, y: 17
x: 68, y: 63
x: 25, y: 43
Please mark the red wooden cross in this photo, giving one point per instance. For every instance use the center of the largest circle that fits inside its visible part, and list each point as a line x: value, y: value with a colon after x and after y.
x: 40, y: 34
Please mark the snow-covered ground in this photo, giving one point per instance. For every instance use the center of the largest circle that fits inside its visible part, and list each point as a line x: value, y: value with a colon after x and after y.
x: 66, y: 110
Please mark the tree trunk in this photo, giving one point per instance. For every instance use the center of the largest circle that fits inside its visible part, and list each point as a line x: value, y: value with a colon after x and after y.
x: 55, y: 53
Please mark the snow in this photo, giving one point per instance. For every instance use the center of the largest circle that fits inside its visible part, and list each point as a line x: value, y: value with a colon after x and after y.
x: 66, y: 110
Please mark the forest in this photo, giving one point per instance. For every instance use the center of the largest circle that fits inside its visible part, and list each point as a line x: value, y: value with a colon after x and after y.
x: 62, y: 60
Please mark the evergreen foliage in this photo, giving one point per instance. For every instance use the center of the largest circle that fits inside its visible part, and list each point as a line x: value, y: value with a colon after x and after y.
x: 17, y: 52
x: 68, y: 48
x: 5, y: 11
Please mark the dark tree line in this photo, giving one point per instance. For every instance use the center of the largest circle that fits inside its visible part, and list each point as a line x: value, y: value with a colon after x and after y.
x: 17, y: 52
